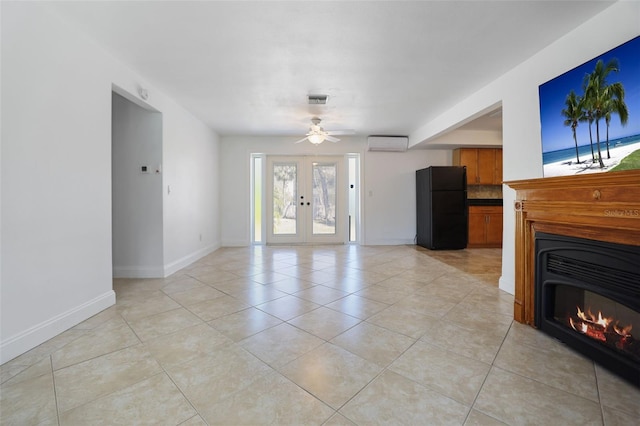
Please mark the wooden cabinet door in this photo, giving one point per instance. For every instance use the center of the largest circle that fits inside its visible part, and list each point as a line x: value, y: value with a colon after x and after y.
x: 469, y: 158
x: 494, y: 230
x: 485, y: 226
x: 498, y: 169
x: 476, y: 227
x: 486, y: 166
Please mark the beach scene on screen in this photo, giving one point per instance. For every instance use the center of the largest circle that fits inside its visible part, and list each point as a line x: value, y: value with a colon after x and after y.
x: 590, y: 116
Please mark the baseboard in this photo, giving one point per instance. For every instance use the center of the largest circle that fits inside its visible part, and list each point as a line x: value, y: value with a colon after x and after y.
x: 40, y: 333
x: 507, y: 285
x: 175, y: 266
x: 391, y: 242
x: 138, y: 272
x: 162, y: 271
x: 236, y: 243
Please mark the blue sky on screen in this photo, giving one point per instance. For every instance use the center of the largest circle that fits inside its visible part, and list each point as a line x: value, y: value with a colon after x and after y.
x: 555, y: 135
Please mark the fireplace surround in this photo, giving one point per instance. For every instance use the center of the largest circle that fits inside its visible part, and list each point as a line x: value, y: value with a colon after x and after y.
x: 602, y: 207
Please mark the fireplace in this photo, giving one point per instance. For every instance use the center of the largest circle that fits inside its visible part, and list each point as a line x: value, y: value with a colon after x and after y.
x: 586, y: 228
x: 587, y: 294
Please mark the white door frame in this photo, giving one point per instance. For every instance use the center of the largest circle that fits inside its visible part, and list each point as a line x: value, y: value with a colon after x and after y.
x: 304, y: 203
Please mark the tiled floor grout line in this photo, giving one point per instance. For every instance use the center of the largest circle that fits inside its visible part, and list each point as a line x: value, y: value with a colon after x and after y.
x: 97, y: 356
x: 55, y: 390
x: 368, y: 264
x: 180, y: 390
x: 595, y: 372
x: 472, y: 407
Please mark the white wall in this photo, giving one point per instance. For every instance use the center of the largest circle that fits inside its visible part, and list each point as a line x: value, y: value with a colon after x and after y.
x: 461, y: 138
x: 136, y: 135
x: 56, y: 177
x: 56, y: 189
x: 518, y: 92
x: 390, y: 193
x: 388, y: 215
x: 191, y: 177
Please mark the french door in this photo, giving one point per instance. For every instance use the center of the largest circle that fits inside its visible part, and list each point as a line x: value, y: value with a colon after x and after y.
x: 305, y: 200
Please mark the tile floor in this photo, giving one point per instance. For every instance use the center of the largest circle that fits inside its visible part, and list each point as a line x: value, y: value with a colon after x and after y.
x: 324, y: 335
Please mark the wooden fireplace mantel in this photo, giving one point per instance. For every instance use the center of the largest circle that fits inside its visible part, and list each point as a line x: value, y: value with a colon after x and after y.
x: 601, y: 206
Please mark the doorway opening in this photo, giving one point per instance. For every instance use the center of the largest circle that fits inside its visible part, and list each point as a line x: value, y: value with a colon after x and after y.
x: 305, y: 199
x: 136, y: 182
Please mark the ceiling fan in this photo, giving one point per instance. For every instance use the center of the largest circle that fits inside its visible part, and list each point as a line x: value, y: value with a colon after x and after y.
x: 317, y: 134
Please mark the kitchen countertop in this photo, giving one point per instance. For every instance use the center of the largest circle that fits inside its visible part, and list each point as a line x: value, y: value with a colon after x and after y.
x: 485, y: 201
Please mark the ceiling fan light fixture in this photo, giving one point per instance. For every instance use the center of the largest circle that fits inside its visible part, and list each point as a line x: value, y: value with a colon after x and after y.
x: 316, y: 138
x: 317, y: 134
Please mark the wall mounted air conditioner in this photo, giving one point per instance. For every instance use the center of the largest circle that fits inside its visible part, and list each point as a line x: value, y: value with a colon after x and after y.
x: 388, y: 143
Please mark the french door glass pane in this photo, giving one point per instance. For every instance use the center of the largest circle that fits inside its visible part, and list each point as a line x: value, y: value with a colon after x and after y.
x: 324, y: 198
x: 285, y: 186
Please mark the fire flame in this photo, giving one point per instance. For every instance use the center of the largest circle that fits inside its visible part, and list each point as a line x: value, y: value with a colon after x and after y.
x: 604, y: 322
x: 606, y: 331
x: 623, y: 331
x: 594, y: 325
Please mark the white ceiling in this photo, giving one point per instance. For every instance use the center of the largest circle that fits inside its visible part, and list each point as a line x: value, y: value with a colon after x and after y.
x: 389, y: 67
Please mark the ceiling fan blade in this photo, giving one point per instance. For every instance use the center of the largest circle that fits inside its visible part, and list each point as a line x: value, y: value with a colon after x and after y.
x: 341, y: 132
x: 301, y: 140
x: 331, y: 139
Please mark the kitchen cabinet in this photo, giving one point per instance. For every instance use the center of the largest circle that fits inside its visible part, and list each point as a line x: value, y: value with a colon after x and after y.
x: 484, y: 165
x: 485, y: 226
x: 498, y: 167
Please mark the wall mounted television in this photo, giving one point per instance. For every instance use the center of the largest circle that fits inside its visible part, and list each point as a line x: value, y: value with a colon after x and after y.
x: 590, y: 115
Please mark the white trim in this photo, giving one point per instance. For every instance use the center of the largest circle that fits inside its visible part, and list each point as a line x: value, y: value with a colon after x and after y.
x: 162, y: 271
x: 390, y: 242
x: 252, y: 185
x: 239, y: 243
x: 304, y: 167
x: 138, y: 272
x: 40, y: 333
x: 175, y: 266
x: 358, y: 198
x: 506, y: 285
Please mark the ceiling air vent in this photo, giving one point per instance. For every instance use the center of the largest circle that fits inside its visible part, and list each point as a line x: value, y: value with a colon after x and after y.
x: 318, y: 99
x: 388, y: 143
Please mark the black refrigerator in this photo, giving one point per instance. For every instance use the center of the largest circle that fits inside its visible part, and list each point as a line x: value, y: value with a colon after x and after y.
x: 442, y: 211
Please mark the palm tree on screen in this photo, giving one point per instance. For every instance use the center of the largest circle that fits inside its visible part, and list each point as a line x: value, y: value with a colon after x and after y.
x: 587, y: 116
x: 573, y: 114
x: 615, y: 105
x: 604, y: 98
